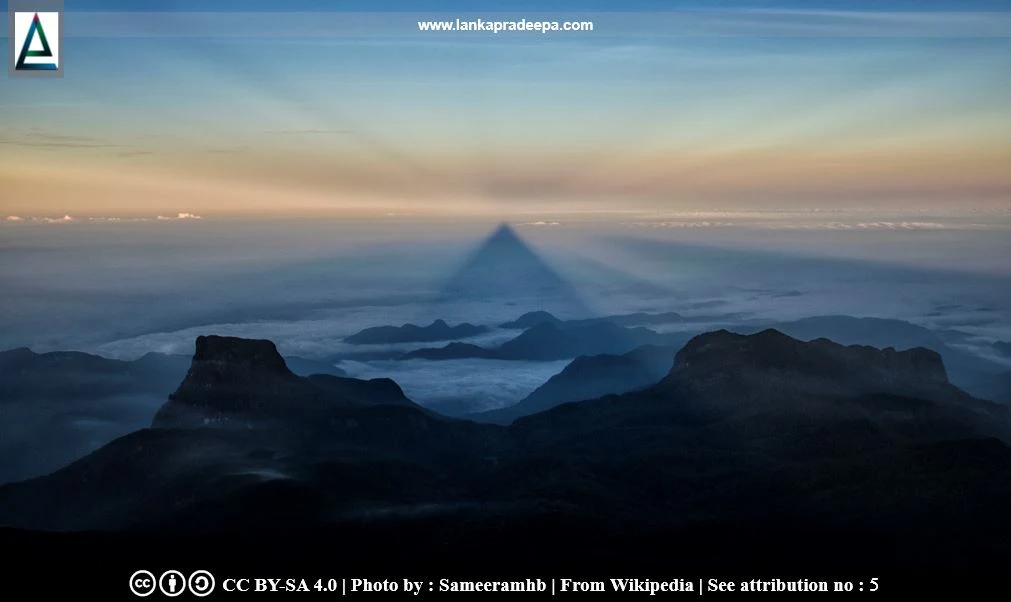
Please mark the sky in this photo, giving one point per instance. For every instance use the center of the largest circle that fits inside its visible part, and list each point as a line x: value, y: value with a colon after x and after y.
x: 321, y: 108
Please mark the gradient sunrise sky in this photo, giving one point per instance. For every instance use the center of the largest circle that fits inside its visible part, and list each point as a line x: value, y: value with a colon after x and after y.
x: 752, y: 105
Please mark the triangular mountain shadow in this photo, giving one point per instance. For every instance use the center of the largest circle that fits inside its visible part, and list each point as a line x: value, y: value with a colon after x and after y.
x: 505, y: 269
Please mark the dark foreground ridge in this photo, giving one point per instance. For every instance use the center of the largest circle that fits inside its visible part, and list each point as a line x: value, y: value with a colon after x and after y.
x: 752, y: 450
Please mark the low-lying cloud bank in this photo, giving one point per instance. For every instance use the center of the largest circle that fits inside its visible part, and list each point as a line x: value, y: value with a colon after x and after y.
x: 67, y: 218
x: 832, y: 225
x: 179, y: 216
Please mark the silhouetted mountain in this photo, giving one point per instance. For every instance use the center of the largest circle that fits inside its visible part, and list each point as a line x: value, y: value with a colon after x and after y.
x: 409, y: 333
x: 504, y: 269
x: 550, y: 341
x: 590, y: 377
x: 849, y: 330
x: 240, y: 382
x: 780, y: 394
x: 534, y: 318
x: 968, y: 371
x: 67, y: 375
x: 61, y: 405
x: 454, y: 351
x: 978, y: 376
x: 746, y: 435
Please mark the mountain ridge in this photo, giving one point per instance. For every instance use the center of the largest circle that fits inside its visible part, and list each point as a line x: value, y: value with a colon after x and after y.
x: 550, y: 341
x: 714, y: 438
x: 239, y: 382
x: 590, y: 377
x: 438, y: 330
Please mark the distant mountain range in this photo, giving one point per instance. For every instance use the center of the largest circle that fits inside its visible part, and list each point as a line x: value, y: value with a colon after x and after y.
x: 757, y: 433
x: 975, y: 374
x: 68, y: 375
x: 549, y: 340
x: 59, y: 406
x: 438, y: 330
x: 547, y: 337
x: 534, y: 318
x: 590, y: 377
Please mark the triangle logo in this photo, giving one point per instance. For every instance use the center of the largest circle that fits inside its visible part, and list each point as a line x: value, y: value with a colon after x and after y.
x: 36, y: 30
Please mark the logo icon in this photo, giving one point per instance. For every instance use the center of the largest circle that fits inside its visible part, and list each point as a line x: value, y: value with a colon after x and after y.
x: 143, y: 583
x: 172, y: 583
x: 36, y: 38
x: 201, y: 583
x: 36, y: 53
